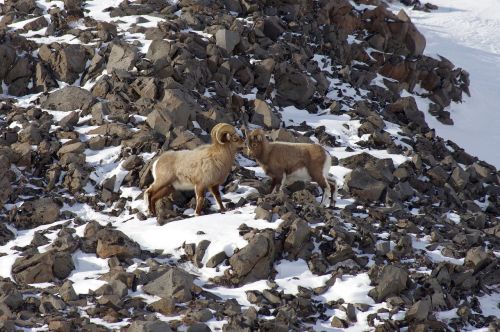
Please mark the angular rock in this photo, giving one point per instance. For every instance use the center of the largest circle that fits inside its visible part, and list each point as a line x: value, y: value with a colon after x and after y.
x: 254, y: 261
x: 175, y: 283
x: 263, y: 115
x: 227, y: 39
x: 46, y: 267
x: 149, y: 326
x: 69, y: 98
x: 122, y: 56
x: 393, y: 280
x: 37, y: 212
x: 364, y: 186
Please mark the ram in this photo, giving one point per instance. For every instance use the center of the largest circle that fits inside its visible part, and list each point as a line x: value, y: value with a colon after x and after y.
x: 285, y: 163
x: 205, y: 167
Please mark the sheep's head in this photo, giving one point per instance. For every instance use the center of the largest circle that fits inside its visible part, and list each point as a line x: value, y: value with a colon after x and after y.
x: 255, y: 142
x: 225, y: 134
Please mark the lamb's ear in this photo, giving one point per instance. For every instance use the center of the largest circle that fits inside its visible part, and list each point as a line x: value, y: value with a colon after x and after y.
x: 260, y: 138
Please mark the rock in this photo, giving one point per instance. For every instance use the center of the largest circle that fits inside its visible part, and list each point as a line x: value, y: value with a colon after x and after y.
x: 10, y: 296
x: 477, y: 258
x: 357, y: 160
x: 293, y: 87
x: 175, y: 110
x: 164, y: 306
x: 414, y: 40
x: 339, y: 323
x: 393, y: 280
x: 37, y: 212
x: 67, y: 292
x: 36, y: 24
x: 111, y: 242
x: 459, y: 178
x: 405, y: 111
x: 69, y: 98
x: 227, y: 39
x: 145, y: 87
x: 263, y: 71
x: 297, y: 236
x: 199, y: 327
x: 419, y: 310
x: 122, y: 56
x: 254, y: 261
x: 203, y: 315
x: 216, y: 259
x: 76, y: 148
x: 261, y: 213
x: 5, y: 233
x: 175, y: 283
x: 263, y: 115
x: 201, y: 248
x: 149, y: 326
x: 273, y: 27
x: 46, y: 267
x: 74, y: 7
x: 364, y: 186
x: 70, y: 120
x: 7, y: 58
x: 132, y: 162
x: 69, y: 63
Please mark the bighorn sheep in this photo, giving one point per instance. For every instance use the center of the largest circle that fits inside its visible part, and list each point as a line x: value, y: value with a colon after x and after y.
x: 205, y: 167
x: 289, y: 162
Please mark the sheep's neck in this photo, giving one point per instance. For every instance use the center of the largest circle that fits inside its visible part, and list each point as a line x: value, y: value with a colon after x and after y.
x: 263, y: 157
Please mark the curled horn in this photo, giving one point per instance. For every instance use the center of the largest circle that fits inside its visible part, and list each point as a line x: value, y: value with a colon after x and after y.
x: 219, y: 130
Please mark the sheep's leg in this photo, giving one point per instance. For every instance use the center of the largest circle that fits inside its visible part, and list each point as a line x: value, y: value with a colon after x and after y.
x: 333, y: 198
x: 160, y: 193
x: 325, y: 186
x: 200, y: 196
x: 215, y: 191
x: 283, y: 182
x: 274, y: 184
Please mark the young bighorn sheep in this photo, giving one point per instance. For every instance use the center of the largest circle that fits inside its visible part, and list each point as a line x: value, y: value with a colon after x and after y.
x: 205, y: 167
x: 289, y: 162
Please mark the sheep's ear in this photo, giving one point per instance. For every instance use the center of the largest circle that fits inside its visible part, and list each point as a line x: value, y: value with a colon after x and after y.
x: 226, y: 137
x: 260, y: 138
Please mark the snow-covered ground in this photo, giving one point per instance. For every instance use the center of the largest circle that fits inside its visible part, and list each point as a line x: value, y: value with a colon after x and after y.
x: 468, y: 34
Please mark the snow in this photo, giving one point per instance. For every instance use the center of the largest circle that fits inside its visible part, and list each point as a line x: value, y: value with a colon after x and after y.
x: 467, y: 33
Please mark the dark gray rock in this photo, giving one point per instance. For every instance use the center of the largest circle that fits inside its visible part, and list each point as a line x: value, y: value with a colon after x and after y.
x: 360, y: 184
x: 216, y: 259
x: 419, y: 311
x: 37, y: 212
x: 149, y: 326
x: 227, y: 39
x: 69, y: 98
x: 175, y: 283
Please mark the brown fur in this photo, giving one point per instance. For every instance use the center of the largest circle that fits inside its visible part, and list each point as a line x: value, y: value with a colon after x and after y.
x: 279, y: 159
x: 205, y: 167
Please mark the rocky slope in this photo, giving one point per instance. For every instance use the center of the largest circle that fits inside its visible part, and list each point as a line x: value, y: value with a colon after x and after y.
x: 93, y: 90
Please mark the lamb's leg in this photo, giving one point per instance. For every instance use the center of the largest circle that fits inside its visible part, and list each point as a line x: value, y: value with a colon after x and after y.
x: 158, y: 194
x: 283, y: 182
x: 200, y: 196
x: 215, y: 191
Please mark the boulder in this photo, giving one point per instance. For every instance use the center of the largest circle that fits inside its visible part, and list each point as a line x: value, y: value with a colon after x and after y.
x: 69, y: 63
x: 122, y: 56
x: 263, y: 115
x: 111, y: 242
x: 361, y: 184
x: 149, y: 326
x: 176, y: 109
x: 7, y: 59
x: 293, y: 87
x: 37, y: 212
x: 69, y: 98
x: 174, y: 283
x: 46, y: 267
x: 393, y: 280
x: 254, y: 261
x: 227, y: 39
